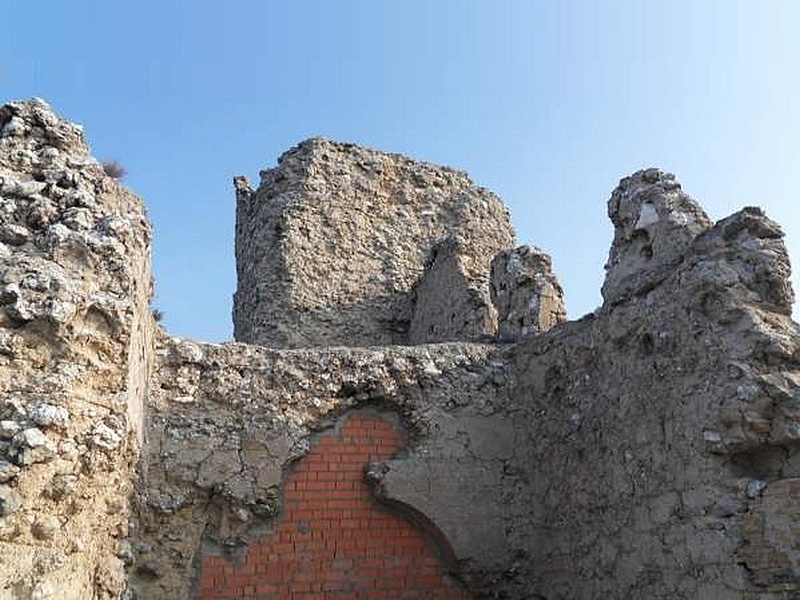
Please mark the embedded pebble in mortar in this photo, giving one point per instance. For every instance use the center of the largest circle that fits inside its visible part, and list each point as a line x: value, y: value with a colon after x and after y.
x: 31, y: 437
x: 45, y: 527
x: 755, y: 488
x: 8, y: 471
x: 49, y: 415
x: 32, y: 446
x: 14, y: 235
x: 105, y: 437
x: 10, y: 500
x: 647, y: 216
x: 8, y: 429
x: 15, y: 126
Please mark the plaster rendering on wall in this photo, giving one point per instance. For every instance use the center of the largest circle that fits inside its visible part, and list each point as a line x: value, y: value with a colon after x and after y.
x: 406, y: 412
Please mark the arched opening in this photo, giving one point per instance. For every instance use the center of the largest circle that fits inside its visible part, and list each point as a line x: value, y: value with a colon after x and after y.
x: 333, y: 538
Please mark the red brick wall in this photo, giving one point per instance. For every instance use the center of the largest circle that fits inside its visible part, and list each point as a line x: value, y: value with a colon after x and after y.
x: 333, y: 540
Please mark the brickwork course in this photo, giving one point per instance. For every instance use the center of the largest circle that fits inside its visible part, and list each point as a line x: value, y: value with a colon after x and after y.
x: 333, y: 539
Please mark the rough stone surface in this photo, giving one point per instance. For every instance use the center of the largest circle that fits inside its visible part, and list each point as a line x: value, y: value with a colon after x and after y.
x: 253, y: 411
x: 654, y: 221
x: 525, y: 293
x: 332, y: 243
x: 649, y: 450
x: 447, y: 304
x: 651, y: 420
x: 74, y: 344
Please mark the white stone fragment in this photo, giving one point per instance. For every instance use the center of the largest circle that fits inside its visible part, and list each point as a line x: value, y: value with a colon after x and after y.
x: 8, y: 429
x: 647, y: 216
x: 62, y: 311
x: 33, y: 438
x: 82, y: 198
x: 431, y: 369
x: 49, y: 415
x: 105, y: 437
x: 755, y: 488
x: 189, y: 351
x: 15, y: 126
x: 681, y: 219
x: 50, y: 154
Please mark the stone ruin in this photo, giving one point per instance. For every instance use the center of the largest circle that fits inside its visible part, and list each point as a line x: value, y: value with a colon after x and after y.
x: 408, y: 414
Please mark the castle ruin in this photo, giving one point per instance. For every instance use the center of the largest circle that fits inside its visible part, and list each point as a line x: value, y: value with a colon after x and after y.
x: 406, y: 413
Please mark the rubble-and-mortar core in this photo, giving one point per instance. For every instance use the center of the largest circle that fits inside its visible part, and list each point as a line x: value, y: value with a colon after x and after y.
x: 332, y: 244
x: 75, y: 352
x: 648, y: 450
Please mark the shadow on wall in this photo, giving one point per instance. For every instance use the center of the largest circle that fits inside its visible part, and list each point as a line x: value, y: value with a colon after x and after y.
x: 334, y: 537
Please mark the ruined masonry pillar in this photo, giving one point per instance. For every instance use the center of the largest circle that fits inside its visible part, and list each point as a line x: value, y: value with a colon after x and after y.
x: 75, y: 349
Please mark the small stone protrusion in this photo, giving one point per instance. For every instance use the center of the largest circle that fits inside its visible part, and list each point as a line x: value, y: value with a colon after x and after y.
x: 654, y: 223
x: 14, y: 127
x: 526, y: 293
x: 755, y: 488
x: 10, y: 500
x: 242, y: 186
x: 45, y: 527
x: 8, y: 471
x: 32, y: 446
x: 49, y: 415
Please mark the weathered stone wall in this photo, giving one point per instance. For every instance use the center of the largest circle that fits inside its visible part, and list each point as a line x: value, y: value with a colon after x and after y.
x: 526, y: 294
x: 331, y: 245
x: 333, y: 539
x: 75, y: 349
x: 663, y: 428
x: 228, y: 422
x: 646, y: 451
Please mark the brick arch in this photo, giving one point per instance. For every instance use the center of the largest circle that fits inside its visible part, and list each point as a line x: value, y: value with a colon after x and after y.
x: 334, y: 540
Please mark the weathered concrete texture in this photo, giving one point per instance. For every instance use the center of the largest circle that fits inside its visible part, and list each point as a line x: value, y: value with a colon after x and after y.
x: 75, y: 330
x: 526, y: 294
x: 646, y: 451
x: 447, y: 305
x: 332, y: 243
x: 663, y: 428
x: 227, y: 421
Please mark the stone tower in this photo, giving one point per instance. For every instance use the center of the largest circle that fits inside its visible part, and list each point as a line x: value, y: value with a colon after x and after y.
x: 344, y: 245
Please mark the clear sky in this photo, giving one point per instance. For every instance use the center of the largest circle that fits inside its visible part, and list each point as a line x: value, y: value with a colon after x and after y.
x: 548, y: 104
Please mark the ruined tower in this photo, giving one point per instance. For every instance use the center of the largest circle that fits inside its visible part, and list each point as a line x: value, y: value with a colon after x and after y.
x: 648, y: 450
x: 343, y: 245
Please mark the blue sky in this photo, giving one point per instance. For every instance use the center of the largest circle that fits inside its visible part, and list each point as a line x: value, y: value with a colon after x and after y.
x: 548, y: 104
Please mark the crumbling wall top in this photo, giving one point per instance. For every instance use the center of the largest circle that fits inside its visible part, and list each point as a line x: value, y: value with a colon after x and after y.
x: 654, y: 221
x: 333, y: 242
x: 75, y: 331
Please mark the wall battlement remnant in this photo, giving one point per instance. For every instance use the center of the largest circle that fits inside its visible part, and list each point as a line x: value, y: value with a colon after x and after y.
x: 343, y: 245
x: 406, y: 412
